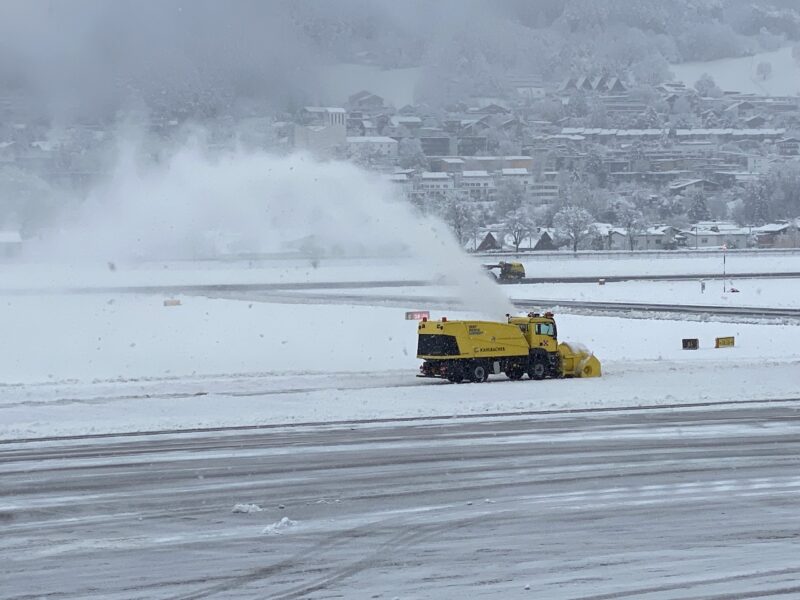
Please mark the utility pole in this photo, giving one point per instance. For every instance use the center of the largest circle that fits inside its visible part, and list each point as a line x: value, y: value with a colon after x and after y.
x: 724, y: 275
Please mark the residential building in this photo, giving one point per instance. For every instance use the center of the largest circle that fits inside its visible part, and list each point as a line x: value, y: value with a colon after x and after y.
x: 783, y: 234
x: 789, y: 146
x: 437, y: 145
x: 657, y: 237
x: 376, y: 146
x: 366, y: 101
x: 759, y: 164
x: 489, y: 242
x: 716, y: 234
x: 479, y: 184
x: 435, y: 182
x: 543, y: 192
x: 528, y: 88
x: 447, y: 164
x: 517, y: 174
x: 321, y: 130
x: 401, y: 182
x: 684, y: 186
x: 611, y: 237
x: 411, y: 123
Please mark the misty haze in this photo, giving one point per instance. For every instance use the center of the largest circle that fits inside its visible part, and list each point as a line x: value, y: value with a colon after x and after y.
x: 399, y: 299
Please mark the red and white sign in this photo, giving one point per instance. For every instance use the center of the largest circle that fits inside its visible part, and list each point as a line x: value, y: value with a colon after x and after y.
x: 417, y: 315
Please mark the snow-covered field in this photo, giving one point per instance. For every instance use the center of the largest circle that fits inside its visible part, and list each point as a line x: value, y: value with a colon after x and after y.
x: 667, y: 263
x: 49, y: 276
x: 739, y: 74
x: 110, y: 360
x: 98, y: 337
x: 88, y: 363
x: 396, y: 86
x: 774, y: 293
x: 281, y: 270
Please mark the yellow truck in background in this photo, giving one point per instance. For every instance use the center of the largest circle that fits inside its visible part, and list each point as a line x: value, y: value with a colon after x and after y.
x: 506, y: 271
x: 473, y: 350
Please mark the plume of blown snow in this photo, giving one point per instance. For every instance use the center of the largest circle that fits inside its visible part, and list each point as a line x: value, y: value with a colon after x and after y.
x: 192, y: 204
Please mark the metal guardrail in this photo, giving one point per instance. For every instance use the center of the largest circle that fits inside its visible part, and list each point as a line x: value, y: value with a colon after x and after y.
x: 632, y: 254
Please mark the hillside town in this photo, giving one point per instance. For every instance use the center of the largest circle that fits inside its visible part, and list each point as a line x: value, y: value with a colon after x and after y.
x: 590, y: 163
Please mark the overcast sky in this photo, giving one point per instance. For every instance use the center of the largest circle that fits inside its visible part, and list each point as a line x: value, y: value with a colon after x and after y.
x: 93, y: 51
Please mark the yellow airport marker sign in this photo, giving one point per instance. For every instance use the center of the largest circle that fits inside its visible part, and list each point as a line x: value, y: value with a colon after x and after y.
x: 724, y: 342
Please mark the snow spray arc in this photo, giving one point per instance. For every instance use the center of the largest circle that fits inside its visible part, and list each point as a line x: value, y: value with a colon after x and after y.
x: 190, y: 203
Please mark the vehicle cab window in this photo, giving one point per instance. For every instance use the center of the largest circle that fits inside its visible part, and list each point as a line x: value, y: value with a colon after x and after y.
x: 545, y: 329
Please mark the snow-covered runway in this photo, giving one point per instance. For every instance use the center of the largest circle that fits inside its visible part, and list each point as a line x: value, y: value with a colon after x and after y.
x: 650, y: 504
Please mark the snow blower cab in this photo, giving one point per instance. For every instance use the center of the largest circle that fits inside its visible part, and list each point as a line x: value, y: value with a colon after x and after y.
x: 506, y: 271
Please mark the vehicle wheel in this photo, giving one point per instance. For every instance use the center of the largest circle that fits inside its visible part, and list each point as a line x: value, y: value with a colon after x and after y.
x: 455, y: 376
x: 515, y: 373
x: 538, y: 370
x: 478, y: 373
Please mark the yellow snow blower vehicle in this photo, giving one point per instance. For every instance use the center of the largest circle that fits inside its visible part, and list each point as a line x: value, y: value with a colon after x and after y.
x: 473, y: 350
x: 506, y: 271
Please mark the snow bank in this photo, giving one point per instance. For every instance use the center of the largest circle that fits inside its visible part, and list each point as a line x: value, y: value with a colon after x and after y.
x: 246, y: 508
x: 279, y: 526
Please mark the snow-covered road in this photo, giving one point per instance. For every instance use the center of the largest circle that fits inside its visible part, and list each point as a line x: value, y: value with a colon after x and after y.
x: 649, y: 504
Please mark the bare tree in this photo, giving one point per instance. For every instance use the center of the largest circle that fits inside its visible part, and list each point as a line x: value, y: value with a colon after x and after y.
x: 574, y: 224
x: 706, y: 86
x: 460, y: 215
x: 411, y: 156
x: 519, y: 224
x: 510, y: 196
x: 630, y: 218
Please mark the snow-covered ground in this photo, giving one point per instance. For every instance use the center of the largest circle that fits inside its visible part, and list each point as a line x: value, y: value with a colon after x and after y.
x: 49, y: 276
x: 283, y: 270
x: 667, y: 263
x: 112, y: 361
x: 396, y: 86
x: 739, y: 74
x: 98, y: 337
x: 121, y: 362
x: 751, y: 292
x: 774, y: 293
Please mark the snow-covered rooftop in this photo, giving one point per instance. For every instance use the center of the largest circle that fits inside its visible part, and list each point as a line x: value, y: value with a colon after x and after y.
x: 370, y: 139
x: 771, y: 228
x: 324, y: 109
